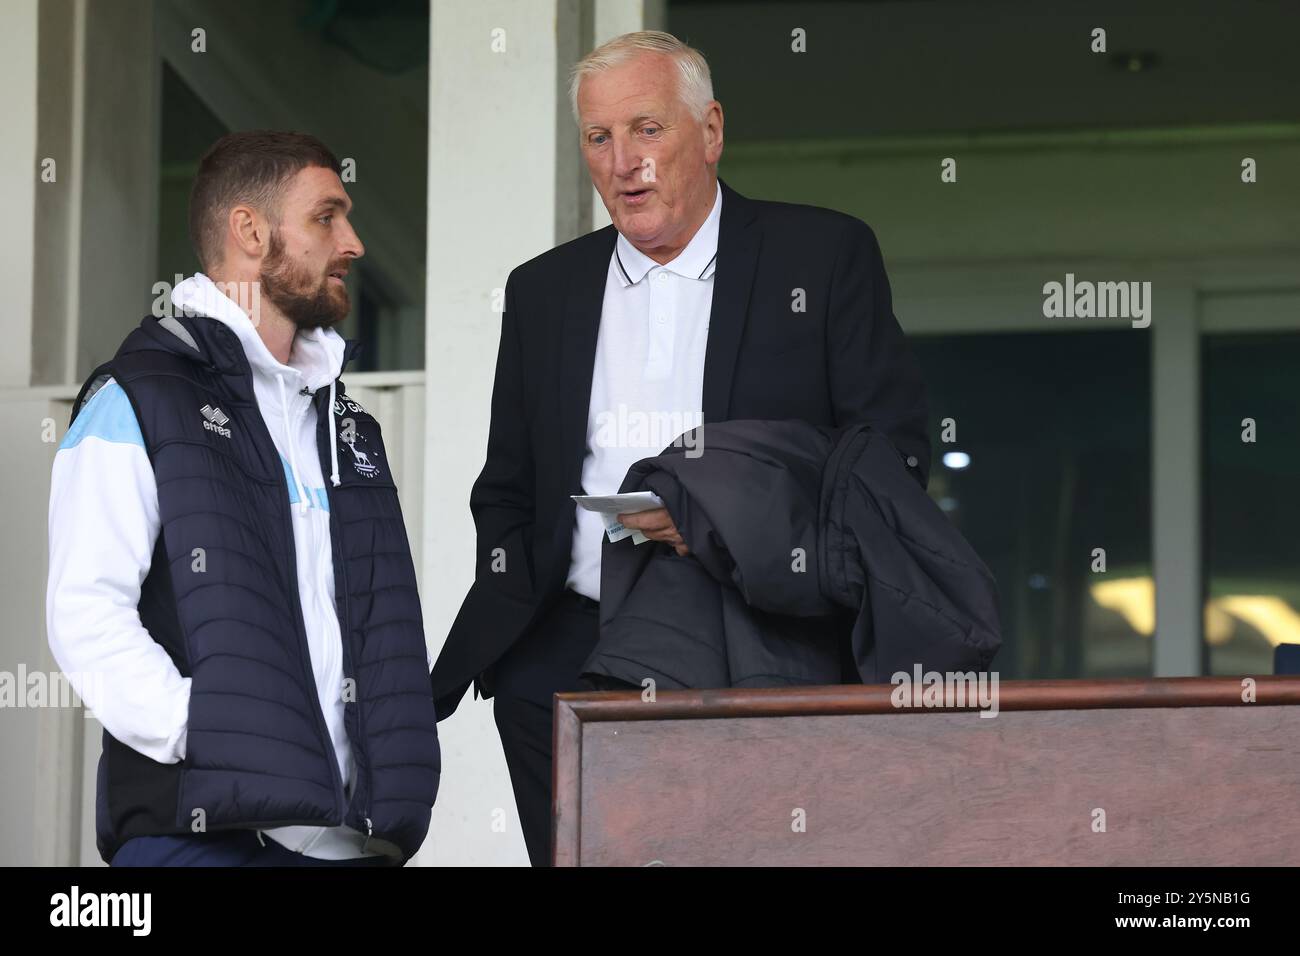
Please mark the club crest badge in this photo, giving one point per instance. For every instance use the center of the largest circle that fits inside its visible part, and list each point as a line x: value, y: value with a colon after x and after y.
x: 360, y: 459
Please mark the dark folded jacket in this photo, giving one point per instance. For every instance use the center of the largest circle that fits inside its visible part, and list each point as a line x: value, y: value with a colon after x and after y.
x: 807, y: 544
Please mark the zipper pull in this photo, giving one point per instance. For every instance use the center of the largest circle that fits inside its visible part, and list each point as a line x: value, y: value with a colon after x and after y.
x: 370, y: 829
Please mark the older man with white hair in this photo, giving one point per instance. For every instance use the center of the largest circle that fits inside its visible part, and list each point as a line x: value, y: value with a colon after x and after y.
x: 696, y: 305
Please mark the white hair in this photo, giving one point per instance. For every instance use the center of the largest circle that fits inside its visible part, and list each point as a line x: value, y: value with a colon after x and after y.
x: 694, y: 82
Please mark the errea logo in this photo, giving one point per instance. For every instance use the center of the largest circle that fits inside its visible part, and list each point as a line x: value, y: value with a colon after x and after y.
x: 215, y: 418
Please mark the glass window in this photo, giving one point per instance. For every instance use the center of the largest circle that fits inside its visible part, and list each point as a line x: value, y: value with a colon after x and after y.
x: 1051, y: 460
x: 1251, y: 525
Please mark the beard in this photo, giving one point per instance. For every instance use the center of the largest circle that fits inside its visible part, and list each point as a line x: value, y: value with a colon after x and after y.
x: 306, y: 301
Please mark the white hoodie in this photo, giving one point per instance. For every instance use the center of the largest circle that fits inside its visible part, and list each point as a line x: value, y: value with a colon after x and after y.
x: 103, y: 523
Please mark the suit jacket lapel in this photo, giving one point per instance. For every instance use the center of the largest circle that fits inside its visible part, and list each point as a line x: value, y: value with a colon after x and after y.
x: 738, y: 243
x: 581, y: 323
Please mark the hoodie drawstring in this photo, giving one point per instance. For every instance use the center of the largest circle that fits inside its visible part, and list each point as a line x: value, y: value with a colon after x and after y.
x: 334, y: 450
x: 293, y: 458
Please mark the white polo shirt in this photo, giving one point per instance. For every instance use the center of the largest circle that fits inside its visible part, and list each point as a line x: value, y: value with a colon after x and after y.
x: 647, y: 386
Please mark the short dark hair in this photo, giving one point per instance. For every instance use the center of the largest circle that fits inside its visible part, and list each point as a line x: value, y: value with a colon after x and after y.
x: 251, y: 167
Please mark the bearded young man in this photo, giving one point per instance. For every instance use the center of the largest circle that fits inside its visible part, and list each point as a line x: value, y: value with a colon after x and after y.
x: 230, y: 578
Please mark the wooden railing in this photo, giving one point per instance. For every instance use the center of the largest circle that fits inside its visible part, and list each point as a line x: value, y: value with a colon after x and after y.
x: 1177, y: 771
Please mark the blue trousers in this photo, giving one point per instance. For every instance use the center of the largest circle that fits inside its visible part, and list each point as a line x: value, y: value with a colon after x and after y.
x: 227, y: 848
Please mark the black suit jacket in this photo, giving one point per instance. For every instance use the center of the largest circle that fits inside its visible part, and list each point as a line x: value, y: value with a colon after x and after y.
x: 840, y: 360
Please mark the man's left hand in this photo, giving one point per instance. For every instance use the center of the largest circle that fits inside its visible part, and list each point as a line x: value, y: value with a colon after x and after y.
x: 657, y: 525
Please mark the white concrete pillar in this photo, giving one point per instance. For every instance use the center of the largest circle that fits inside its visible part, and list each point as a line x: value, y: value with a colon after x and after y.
x: 506, y: 182
x: 19, y: 180
x: 494, y: 176
x: 1176, y: 483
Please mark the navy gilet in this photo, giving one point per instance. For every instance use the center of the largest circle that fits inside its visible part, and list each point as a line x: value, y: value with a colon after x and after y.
x: 222, y: 599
